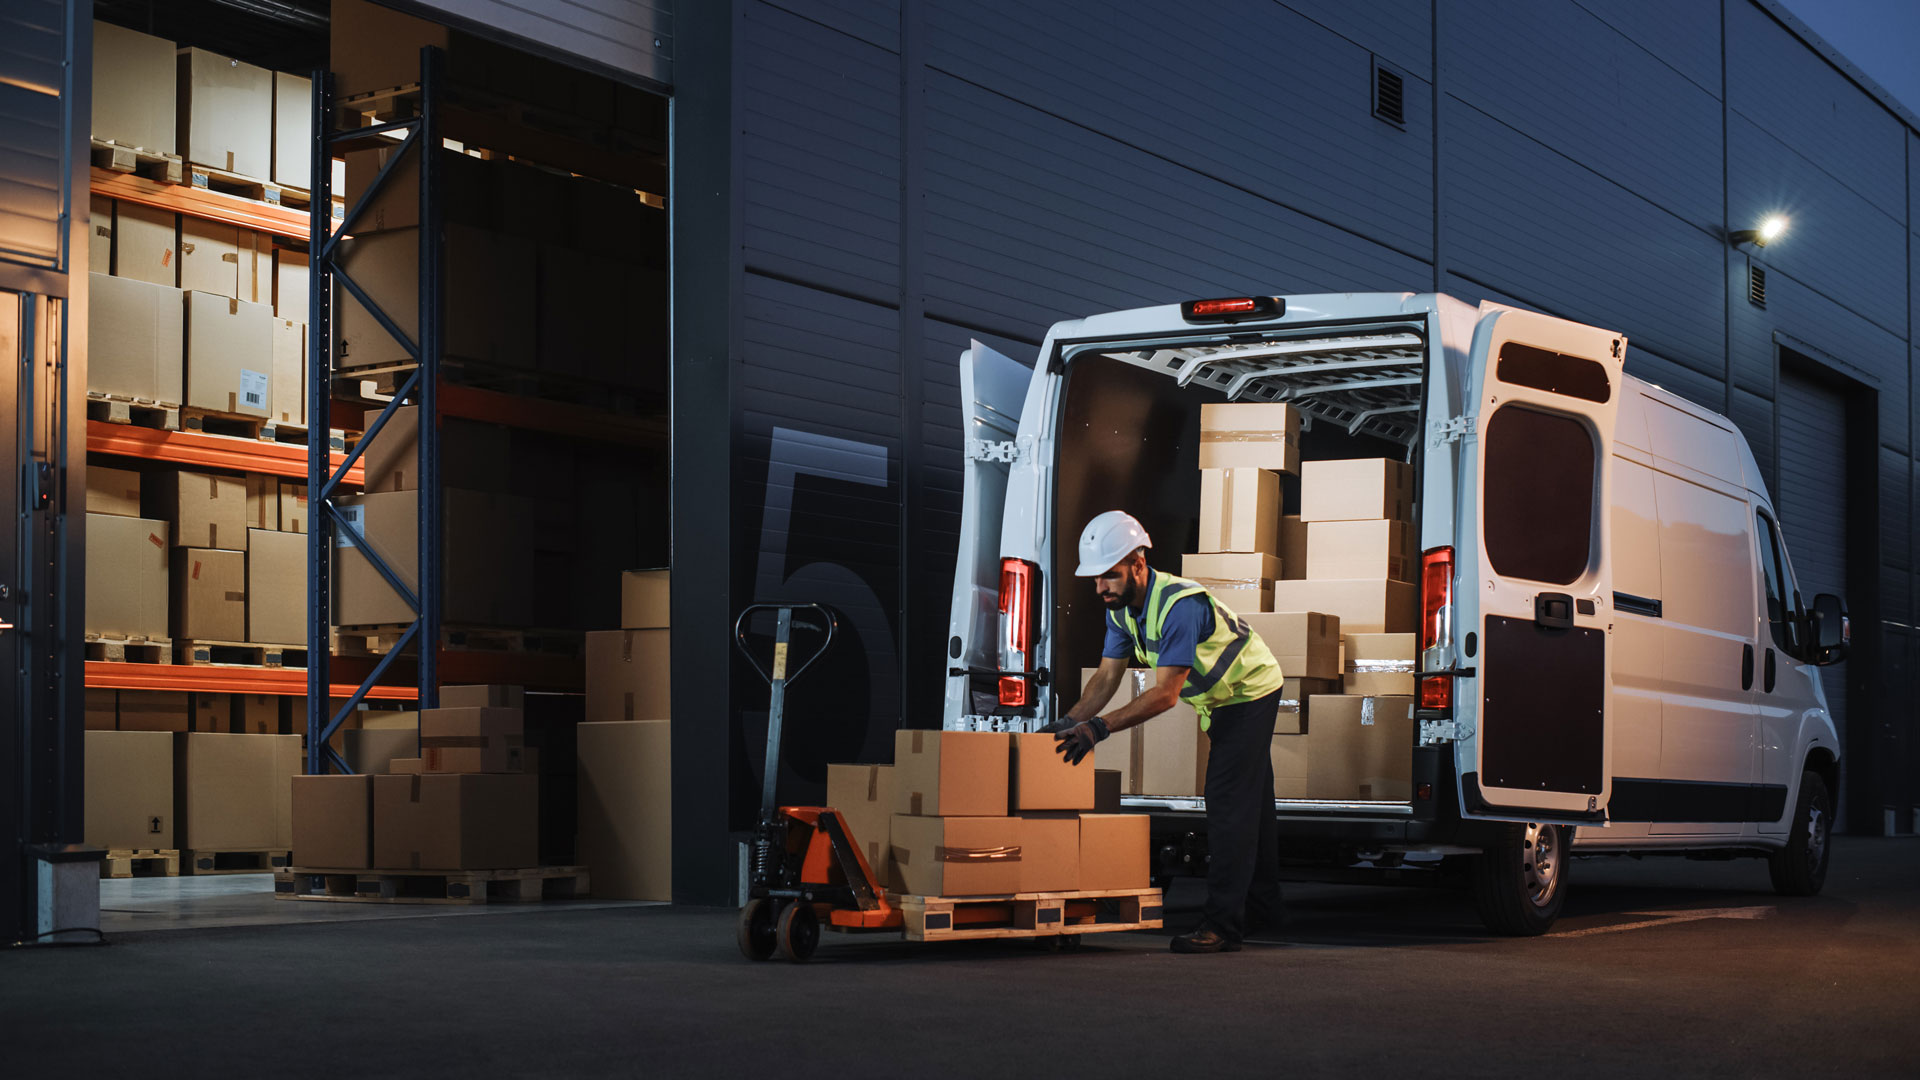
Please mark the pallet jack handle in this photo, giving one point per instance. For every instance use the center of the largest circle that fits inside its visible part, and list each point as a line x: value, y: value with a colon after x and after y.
x: 783, y: 673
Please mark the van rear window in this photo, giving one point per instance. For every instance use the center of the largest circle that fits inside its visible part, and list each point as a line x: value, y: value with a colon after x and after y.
x: 1538, y: 495
x: 1556, y: 373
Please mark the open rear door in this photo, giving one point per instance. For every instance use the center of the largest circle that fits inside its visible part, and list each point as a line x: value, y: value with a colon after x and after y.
x: 1540, y: 570
x: 993, y: 388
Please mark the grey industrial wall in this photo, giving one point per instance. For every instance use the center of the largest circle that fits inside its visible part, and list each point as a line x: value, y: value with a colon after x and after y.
x: 910, y: 179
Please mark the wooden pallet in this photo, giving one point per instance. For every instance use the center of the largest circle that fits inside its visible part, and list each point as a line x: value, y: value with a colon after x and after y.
x: 281, y: 431
x: 129, y: 650
x: 248, y: 187
x: 961, y: 918
x: 137, y: 412
x: 432, y: 886
x: 140, y: 862
x: 215, y: 422
x: 235, y: 861
x: 201, y: 652
x: 152, y: 164
x: 381, y: 640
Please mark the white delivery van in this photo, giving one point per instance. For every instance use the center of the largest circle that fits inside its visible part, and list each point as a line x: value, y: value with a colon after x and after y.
x: 1613, y: 656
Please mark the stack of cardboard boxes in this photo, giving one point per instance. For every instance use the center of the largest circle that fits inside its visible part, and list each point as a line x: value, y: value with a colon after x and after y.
x: 203, y: 791
x: 625, y: 747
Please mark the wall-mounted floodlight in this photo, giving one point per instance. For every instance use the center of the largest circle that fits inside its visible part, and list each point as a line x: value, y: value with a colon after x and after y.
x: 1769, y: 229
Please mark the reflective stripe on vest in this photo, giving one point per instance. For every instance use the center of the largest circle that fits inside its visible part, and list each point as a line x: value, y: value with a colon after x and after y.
x: 1231, y: 666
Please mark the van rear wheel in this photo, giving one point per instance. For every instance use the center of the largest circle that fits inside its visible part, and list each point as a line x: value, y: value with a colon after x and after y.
x: 1800, y: 868
x: 1520, y: 881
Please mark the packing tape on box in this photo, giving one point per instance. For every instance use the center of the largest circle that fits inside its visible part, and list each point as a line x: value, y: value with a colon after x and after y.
x: 914, y: 802
x: 919, y: 745
x: 873, y: 783
x: 1366, y: 711
x: 234, y: 596
x: 1232, y: 583
x: 1003, y: 853
x: 1381, y: 667
x: 1245, y: 437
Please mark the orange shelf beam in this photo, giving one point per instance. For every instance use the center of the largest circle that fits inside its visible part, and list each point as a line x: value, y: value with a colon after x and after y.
x: 209, y: 451
x: 201, y: 203
x: 207, y: 679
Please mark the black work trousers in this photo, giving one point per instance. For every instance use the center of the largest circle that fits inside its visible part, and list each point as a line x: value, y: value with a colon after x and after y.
x: 1243, y: 844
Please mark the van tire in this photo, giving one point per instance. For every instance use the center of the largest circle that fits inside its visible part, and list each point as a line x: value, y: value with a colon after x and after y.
x: 1800, y: 868
x: 1520, y: 880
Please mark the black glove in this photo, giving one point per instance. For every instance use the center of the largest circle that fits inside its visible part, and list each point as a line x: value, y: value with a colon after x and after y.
x: 1065, y: 723
x: 1078, y: 741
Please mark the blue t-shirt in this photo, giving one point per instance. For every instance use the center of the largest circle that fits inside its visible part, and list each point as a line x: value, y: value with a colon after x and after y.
x: 1188, y: 623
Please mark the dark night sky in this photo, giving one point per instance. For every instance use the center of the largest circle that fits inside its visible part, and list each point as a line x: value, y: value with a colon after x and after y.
x: 1881, y: 37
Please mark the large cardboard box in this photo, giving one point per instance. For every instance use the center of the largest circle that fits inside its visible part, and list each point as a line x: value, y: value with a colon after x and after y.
x: 136, y: 334
x: 1292, y: 717
x: 626, y: 808
x: 486, y: 696
x: 129, y: 790
x: 1240, y: 510
x: 292, y: 130
x: 287, y: 396
x: 235, y: 792
x: 1293, y: 547
x: 482, y: 579
x: 146, y: 245
x: 490, y: 281
x: 951, y: 773
x: 1173, y: 753
x: 1290, y: 766
x: 133, y: 88
x: 1362, y: 748
x: 209, y: 594
x: 1115, y: 850
x: 1043, y: 780
x: 1306, y: 643
x: 290, y: 286
x: 1252, y: 435
x: 155, y: 710
x: 113, y: 491
x: 1365, y: 605
x: 372, y: 751
x: 1362, y: 549
x: 225, y: 114
x: 956, y: 856
x: 333, y: 822
x: 211, y: 254
x: 276, y: 588
x: 1355, y: 490
x: 204, y: 510
x: 99, y: 234
x: 473, y: 740
x: 472, y: 455
x: 101, y: 710
x: 229, y: 354
x: 645, y: 597
x: 1049, y: 852
x: 456, y: 821
x: 1380, y: 664
x: 629, y: 675
x: 212, y: 712
x: 864, y: 795
x: 126, y: 576
x: 293, y: 507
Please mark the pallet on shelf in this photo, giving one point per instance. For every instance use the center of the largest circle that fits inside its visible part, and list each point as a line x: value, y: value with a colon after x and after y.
x: 216, y: 422
x: 198, y: 652
x: 378, y: 640
x: 132, y: 411
x: 234, y: 860
x: 114, y: 649
x: 248, y: 187
x: 432, y: 886
x: 140, y: 862
x: 154, y: 165
x: 281, y: 431
x: 960, y: 918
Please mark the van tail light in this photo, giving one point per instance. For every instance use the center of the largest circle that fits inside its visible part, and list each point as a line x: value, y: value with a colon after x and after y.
x: 1233, y: 308
x: 1019, y: 579
x: 1436, y: 622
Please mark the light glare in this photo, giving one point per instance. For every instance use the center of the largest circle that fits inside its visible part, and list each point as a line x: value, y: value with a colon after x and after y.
x: 1773, y: 227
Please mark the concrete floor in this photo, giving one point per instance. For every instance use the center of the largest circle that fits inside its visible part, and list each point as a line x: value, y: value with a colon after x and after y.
x: 134, y: 905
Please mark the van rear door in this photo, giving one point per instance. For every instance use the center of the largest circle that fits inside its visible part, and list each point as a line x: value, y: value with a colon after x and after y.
x: 1538, y: 569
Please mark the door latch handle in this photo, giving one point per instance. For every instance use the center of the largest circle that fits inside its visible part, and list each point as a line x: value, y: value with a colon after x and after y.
x: 1746, y: 667
x: 1553, y: 611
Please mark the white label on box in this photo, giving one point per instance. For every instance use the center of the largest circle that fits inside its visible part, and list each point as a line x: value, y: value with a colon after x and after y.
x: 253, y: 388
x: 352, y: 526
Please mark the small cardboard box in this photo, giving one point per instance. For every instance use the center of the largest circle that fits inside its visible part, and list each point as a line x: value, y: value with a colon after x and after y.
x: 1361, y: 489
x: 210, y: 257
x: 1364, y: 605
x: 204, y: 511
x: 209, y: 594
x: 126, y: 576
x: 1293, y: 547
x: 1362, y: 748
x: 629, y: 675
x: 372, y: 751
x: 644, y: 599
x: 292, y: 130
x: 333, y: 822
x: 1049, y: 852
x: 951, y: 773
x: 235, y: 792
x: 113, y: 491
x: 129, y: 790
x: 472, y: 455
x: 626, y: 808
x: 293, y: 507
x: 456, y: 821
x: 1290, y: 766
x: 1173, y: 753
x: 956, y: 856
x: 101, y: 710
x: 229, y: 354
x: 1257, y: 435
x: 225, y: 114
x: 287, y: 394
x: 1306, y: 643
x: 261, y: 714
x: 1043, y: 780
x: 212, y: 713
x: 146, y: 246
x: 477, y: 696
x: 472, y: 740
x: 1240, y: 510
x: 276, y: 588
x: 133, y: 89
x: 864, y: 795
x: 155, y: 710
x: 1292, y: 717
x: 1380, y: 664
x: 135, y: 335
x: 1362, y: 549
x: 1114, y: 852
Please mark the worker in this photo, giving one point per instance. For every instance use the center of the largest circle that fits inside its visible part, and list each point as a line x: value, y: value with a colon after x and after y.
x: 1203, y: 654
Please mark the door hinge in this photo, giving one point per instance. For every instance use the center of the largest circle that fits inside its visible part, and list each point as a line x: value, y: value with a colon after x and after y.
x: 988, y: 450
x: 1434, y: 732
x: 1452, y: 431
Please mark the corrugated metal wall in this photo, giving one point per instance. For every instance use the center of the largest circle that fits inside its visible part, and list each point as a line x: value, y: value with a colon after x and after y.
x: 633, y: 36
x: 33, y: 167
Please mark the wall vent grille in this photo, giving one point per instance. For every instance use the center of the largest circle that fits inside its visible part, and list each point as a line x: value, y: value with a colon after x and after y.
x: 1389, y: 95
x: 1756, y: 285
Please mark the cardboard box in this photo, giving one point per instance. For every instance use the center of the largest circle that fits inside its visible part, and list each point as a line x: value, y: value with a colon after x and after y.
x: 1290, y: 766
x: 225, y: 114
x: 1381, y: 664
x: 629, y: 675
x: 293, y: 507
x: 287, y: 395
x: 645, y: 597
x: 626, y: 808
x: 1049, y: 852
x: 1121, y: 751
x: 406, y: 767
x: 864, y: 795
x: 1115, y: 850
x: 490, y: 277
x: 1361, y: 489
x: 484, y: 580
x: 1362, y: 748
x: 473, y: 740
x: 229, y: 354
x: 1043, y: 780
x: 203, y: 510
x: 146, y: 245
x: 371, y: 751
x: 456, y: 821
x: 235, y: 792
x: 128, y: 803
x: 951, y: 773
x: 101, y: 710
x: 1365, y: 606
x: 472, y: 455
x: 956, y: 856
x: 211, y: 713
x: 209, y: 594
x: 1240, y: 510
x: 1253, y: 435
x: 126, y: 576
x: 155, y: 710
x: 1306, y: 643
x: 1243, y: 581
x: 133, y: 88
x: 276, y: 588
x: 263, y: 714
x: 292, y: 130
x: 377, y: 48
x: 99, y: 234
x: 113, y: 491
x: 485, y: 697
x: 263, y: 502
x: 1107, y: 790
x: 210, y: 257
x: 291, y: 285
x: 1292, y: 718
x: 1293, y: 547
x: 333, y: 822
x: 136, y: 335
x: 1362, y: 549
x: 1173, y: 753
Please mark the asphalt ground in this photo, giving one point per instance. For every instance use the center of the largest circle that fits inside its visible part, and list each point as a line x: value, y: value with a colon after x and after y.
x: 1662, y: 967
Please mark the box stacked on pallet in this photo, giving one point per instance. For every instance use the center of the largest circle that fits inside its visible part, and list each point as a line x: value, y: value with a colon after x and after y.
x: 625, y: 747
x: 127, y: 564
x: 208, y: 516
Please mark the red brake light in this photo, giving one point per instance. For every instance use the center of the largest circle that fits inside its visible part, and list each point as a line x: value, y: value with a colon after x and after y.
x: 1229, y: 308
x: 1018, y: 580
x: 1436, y: 691
x: 1436, y: 597
x: 1223, y: 307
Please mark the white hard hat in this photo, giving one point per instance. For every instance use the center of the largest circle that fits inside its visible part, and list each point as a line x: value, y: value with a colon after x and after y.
x: 1107, y: 539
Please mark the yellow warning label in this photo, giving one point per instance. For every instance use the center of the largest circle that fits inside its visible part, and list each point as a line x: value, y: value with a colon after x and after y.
x: 779, y: 661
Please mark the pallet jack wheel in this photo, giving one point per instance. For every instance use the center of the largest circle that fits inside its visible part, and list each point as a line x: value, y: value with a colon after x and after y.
x: 799, y: 932
x: 757, y: 930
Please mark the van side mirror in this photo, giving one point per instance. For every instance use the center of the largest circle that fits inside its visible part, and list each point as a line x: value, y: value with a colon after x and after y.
x: 1832, y: 632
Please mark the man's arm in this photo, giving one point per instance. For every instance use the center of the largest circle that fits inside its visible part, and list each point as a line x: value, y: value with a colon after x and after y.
x: 1099, y: 689
x: 1163, y: 695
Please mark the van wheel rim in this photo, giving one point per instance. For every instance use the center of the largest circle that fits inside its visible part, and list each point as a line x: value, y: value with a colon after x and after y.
x: 1540, y: 855
x: 1816, y: 837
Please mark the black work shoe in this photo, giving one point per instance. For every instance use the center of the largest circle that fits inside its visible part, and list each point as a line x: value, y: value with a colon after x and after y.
x: 1204, y: 940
